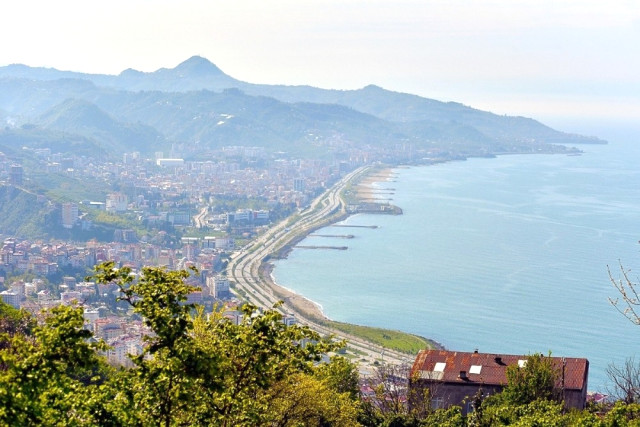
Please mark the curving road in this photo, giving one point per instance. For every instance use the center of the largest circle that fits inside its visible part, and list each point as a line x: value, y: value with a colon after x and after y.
x: 244, y: 265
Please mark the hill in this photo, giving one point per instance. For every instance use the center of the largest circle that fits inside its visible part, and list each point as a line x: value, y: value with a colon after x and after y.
x: 84, y: 118
x: 197, y: 103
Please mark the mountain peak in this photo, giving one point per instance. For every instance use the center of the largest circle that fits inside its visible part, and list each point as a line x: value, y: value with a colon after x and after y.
x: 372, y: 88
x: 197, y: 65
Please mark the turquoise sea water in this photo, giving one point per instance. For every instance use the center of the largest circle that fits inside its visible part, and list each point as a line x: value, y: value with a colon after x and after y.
x: 504, y: 255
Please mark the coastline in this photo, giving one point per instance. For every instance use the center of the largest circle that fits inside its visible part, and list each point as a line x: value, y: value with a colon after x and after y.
x: 306, y: 307
x: 366, y: 189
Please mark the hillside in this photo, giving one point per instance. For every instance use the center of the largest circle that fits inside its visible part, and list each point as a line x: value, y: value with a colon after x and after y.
x: 197, y: 103
x: 22, y: 214
x: 86, y: 119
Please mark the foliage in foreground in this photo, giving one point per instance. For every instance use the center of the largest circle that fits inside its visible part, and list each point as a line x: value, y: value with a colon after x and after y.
x: 200, y: 369
x: 195, y: 370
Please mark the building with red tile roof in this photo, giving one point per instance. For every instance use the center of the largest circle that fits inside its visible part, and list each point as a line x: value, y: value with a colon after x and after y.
x: 453, y: 378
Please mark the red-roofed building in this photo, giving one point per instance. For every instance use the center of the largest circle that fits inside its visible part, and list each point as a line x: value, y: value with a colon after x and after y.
x: 453, y: 378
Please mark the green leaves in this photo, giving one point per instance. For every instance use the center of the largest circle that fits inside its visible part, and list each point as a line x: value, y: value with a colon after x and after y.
x: 45, y: 377
x: 201, y: 368
x: 197, y: 368
x: 535, y: 380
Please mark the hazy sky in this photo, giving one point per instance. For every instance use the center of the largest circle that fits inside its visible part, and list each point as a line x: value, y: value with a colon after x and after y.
x: 539, y: 58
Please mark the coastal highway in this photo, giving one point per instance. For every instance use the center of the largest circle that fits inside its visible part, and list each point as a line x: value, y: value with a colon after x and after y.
x: 244, y: 266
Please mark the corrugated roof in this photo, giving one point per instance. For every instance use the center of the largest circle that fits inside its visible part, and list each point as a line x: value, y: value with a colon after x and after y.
x: 493, y: 367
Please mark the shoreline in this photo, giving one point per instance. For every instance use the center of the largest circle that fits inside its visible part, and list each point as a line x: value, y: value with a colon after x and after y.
x: 366, y: 188
x: 307, y: 307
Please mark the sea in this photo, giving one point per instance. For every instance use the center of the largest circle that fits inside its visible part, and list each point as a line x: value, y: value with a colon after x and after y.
x: 501, y: 255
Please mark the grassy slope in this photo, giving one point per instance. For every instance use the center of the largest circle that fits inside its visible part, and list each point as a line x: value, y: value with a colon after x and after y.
x: 395, y: 340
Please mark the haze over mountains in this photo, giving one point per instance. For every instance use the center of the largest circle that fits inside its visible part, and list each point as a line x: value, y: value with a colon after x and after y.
x: 199, y: 105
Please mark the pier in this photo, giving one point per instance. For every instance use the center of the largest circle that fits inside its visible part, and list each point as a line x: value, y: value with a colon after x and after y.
x: 340, y: 248
x: 339, y: 236
x: 354, y: 226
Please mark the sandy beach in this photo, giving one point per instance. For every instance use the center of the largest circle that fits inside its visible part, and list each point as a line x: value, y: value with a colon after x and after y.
x: 365, y: 190
x: 299, y: 303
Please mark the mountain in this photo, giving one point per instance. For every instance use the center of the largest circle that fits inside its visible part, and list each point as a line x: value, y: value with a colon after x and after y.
x: 84, y: 118
x: 196, y: 103
x: 196, y: 73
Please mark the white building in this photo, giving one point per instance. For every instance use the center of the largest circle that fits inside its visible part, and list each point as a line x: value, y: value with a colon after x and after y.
x: 18, y: 287
x: 120, y: 349
x: 11, y: 298
x: 224, y: 243
x: 117, y: 202
x: 235, y: 316
x: 170, y: 163
x: 289, y: 319
x: 219, y: 287
x: 90, y: 316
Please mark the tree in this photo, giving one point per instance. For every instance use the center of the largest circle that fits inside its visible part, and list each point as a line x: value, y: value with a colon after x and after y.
x: 626, y: 381
x: 13, y: 322
x: 340, y: 375
x: 623, y: 414
x: 49, y: 378
x: 535, y: 380
x: 196, y: 369
x: 307, y: 400
x: 203, y: 369
x: 628, y: 291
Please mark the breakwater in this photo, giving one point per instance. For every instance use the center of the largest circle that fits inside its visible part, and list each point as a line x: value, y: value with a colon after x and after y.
x: 340, y: 248
x: 354, y: 226
x: 337, y: 236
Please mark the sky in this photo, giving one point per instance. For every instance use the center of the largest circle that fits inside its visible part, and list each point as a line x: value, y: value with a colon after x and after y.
x: 548, y: 59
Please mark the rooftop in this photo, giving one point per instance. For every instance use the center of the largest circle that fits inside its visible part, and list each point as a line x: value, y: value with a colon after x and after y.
x: 489, y: 368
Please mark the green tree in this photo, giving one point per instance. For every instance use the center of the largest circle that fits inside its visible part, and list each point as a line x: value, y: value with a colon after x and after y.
x: 622, y: 415
x: 537, y: 379
x: 13, y: 322
x: 48, y: 378
x: 306, y: 400
x: 340, y: 375
x: 205, y: 370
x: 196, y: 369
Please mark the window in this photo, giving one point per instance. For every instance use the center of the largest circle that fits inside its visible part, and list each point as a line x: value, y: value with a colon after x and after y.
x: 470, y: 407
x: 439, y: 367
x: 437, y: 403
x: 475, y: 369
